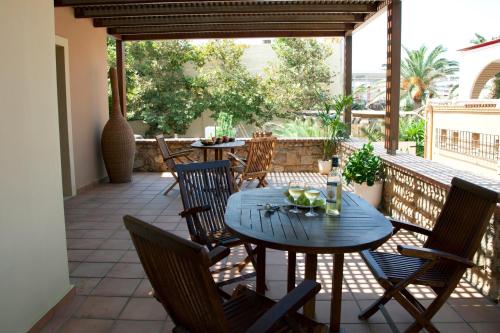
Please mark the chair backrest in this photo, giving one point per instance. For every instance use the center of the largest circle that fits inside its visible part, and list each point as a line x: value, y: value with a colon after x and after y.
x: 165, y: 152
x: 463, y: 219
x: 207, y: 183
x: 178, y: 270
x: 260, y: 155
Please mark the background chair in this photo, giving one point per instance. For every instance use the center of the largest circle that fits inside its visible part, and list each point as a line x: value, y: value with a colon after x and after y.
x: 442, y: 260
x: 178, y: 270
x: 257, y: 163
x: 172, y: 159
x: 205, y: 188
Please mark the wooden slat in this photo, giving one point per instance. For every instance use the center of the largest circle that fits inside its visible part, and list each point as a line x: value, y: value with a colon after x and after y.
x: 233, y: 34
x: 228, y: 18
x: 231, y: 27
x: 222, y: 7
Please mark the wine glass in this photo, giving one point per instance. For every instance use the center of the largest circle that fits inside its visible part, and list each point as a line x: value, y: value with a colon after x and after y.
x: 296, y: 189
x: 312, y: 194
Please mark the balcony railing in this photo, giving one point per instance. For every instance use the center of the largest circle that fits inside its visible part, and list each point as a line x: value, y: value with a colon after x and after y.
x: 478, y: 145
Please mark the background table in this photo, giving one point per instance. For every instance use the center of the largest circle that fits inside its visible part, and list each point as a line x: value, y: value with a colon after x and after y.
x: 359, y: 226
x: 218, y: 148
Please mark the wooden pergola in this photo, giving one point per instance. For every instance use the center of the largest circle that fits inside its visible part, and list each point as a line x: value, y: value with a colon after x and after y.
x: 132, y: 20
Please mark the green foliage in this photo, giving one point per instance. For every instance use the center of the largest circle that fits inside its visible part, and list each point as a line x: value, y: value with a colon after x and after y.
x: 413, y: 129
x: 225, y: 125
x: 363, y: 166
x: 334, y: 128
x: 373, y: 131
x: 420, y: 70
x: 228, y: 86
x: 300, y: 127
x: 293, y: 84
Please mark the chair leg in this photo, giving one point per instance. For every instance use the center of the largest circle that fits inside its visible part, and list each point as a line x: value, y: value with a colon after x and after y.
x: 373, y: 308
x: 262, y: 182
x: 170, y: 187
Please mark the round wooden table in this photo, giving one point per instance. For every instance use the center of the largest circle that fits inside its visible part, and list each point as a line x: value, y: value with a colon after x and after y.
x: 359, y: 226
x: 218, y: 148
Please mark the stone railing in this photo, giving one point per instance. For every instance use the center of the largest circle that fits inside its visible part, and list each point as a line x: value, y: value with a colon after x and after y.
x: 291, y: 155
x: 415, y: 190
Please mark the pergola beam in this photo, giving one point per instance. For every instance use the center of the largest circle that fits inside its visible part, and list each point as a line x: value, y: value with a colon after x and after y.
x: 348, y: 78
x: 228, y: 18
x: 120, y: 68
x: 393, y: 76
x: 231, y: 27
x: 62, y: 3
x: 223, y: 8
x: 233, y: 34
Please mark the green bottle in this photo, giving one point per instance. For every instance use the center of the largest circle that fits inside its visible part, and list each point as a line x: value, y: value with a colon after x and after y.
x: 334, y: 189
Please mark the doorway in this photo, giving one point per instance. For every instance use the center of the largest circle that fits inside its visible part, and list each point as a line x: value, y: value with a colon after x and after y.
x: 64, y: 115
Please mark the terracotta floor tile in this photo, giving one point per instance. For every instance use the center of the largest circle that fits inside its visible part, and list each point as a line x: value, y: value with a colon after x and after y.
x: 349, y: 312
x: 166, y: 226
x: 121, y: 234
x: 83, y: 243
x: 101, y: 307
x: 105, y: 256
x: 485, y: 327
x: 116, y: 287
x: 87, y: 326
x: 130, y: 256
x: 476, y: 310
x: 99, y: 233
x: 144, y: 290
x: 116, y: 244
x: 143, y: 309
x: 78, y: 255
x: 127, y: 270
x: 459, y: 328
x: 84, y: 285
x: 92, y: 269
x: 129, y: 326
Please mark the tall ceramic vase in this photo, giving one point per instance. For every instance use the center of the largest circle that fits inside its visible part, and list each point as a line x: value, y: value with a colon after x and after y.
x: 117, y: 140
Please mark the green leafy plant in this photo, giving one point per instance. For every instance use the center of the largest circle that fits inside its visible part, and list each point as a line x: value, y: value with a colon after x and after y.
x: 373, y: 131
x: 334, y: 128
x: 363, y: 166
x: 413, y: 129
x: 300, y: 127
x: 225, y: 125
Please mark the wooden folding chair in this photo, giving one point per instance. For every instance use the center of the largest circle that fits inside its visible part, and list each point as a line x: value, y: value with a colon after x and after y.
x: 443, y: 259
x: 172, y: 159
x: 258, y: 162
x: 205, y: 188
x: 178, y: 270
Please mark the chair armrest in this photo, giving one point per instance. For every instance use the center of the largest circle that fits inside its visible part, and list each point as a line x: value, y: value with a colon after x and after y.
x: 409, y: 226
x: 290, y: 303
x: 177, y: 154
x: 235, y: 158
x: 195, y: 210
x: 431, y: 254
x: 217, y: 254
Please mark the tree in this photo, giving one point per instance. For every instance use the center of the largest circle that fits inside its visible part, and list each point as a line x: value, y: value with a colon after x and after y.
x: 168, y: 98
x: 421, y: 69
x: 478, y: 39
x: 228, y: 86
x: 300, y: 76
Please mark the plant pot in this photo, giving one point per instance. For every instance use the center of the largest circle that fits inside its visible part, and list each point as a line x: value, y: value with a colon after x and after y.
x: 372, y: 194
x: 324, y: 166
x: 117, y: 141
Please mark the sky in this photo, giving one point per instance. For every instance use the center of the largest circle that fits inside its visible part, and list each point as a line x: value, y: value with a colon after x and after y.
x: 451, y: 23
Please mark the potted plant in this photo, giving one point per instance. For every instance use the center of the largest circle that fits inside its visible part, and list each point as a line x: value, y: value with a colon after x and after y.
x: 224, y: 128
x: 334, y: 129
x: 364, y: 168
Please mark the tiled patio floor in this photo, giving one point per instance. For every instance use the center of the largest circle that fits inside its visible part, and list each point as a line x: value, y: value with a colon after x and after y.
x: 113, y: 292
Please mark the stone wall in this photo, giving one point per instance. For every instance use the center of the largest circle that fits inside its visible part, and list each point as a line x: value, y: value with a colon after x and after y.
x: 291, y: 155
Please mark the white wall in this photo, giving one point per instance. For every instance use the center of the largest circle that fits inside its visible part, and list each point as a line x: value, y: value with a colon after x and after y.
x: 33, y: 261
x: 88, y: 90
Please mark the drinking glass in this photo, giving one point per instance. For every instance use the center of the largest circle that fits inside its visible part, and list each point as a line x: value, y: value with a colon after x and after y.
x: 296, y: 189
x: 312, y: 194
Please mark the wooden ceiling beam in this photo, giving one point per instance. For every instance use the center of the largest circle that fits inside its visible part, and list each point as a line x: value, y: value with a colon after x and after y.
x: 232, y: 34
x: 66, y: 3
x: 224, y: 8
x: 227, y: 18
x: 231, y: 27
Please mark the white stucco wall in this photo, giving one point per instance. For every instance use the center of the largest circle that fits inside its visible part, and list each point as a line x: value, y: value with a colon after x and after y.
x: 89, y: 95
x: 33, y: 260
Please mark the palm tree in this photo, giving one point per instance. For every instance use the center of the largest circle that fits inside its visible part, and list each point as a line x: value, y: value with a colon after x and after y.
x: 420, y: 70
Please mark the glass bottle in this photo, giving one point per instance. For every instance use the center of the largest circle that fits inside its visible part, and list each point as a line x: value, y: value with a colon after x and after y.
x: 334, y: 189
